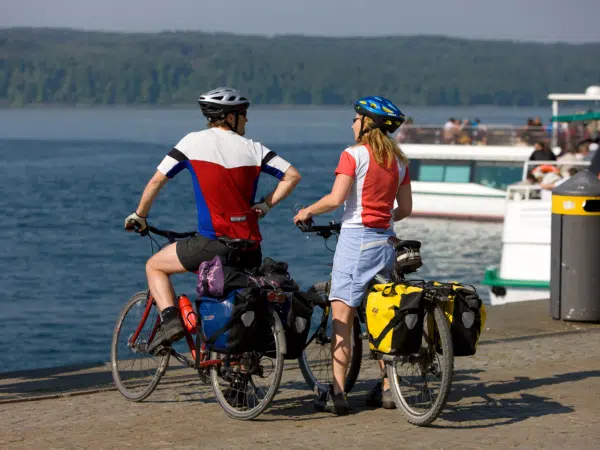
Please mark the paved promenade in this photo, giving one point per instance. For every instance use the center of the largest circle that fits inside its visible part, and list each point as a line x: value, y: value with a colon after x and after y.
x: 534, y: 383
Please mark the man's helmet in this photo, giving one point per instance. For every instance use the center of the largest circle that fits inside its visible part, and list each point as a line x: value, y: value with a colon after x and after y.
x: 386, y: 116
x: 219, y: 102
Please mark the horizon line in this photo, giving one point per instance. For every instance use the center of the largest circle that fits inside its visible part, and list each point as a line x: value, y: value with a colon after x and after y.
x: 297, y: 35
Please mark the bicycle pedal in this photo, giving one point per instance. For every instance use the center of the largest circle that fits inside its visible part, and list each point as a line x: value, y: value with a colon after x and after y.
x: 204, y: 376
x: 161, y: 350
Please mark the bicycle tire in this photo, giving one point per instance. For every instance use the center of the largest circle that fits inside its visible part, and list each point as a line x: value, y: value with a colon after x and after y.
x: 118, y: 370
x: 447, y: 363
x: 321, y: 383
x: 215, y: 376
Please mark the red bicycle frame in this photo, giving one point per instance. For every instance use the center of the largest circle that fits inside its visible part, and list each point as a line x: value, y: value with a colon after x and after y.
x: 197, y: 347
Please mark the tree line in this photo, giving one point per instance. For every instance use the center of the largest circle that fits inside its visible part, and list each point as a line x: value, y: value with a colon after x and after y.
x: 64, y: 66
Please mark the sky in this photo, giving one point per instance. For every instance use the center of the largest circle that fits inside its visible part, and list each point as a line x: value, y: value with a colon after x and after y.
x: 576, y: 21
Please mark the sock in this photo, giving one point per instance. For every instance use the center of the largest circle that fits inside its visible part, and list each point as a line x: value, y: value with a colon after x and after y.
x: 169, y: 314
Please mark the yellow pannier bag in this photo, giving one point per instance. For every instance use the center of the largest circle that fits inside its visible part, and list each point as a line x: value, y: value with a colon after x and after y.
x: 394, y: 315
x: 466, y: 315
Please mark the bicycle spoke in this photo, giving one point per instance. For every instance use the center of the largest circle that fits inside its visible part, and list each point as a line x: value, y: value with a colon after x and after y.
x: 421, y: 382
x: 245, y: 384
x: 136, y: 372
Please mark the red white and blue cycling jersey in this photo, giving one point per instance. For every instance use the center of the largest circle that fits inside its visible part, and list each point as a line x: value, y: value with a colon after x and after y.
x: 225, y: 169
x: 371, y: 199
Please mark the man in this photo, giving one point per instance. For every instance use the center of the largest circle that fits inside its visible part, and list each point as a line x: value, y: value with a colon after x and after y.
x: 225, y: 168
x: 541, y: 152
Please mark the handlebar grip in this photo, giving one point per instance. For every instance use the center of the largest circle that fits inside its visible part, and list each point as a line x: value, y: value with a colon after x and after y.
x: 305, y: 227
x: 132, y: 225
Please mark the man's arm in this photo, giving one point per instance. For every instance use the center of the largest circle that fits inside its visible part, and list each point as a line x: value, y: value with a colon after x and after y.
x: 286, y: 185
x: 151, y: 190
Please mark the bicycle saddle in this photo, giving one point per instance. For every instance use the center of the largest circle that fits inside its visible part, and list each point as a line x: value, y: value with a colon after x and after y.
x: 237, y: 244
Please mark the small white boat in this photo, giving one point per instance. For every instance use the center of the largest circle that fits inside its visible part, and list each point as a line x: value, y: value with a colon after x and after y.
x: 463, y: 181
x: 524, y: 271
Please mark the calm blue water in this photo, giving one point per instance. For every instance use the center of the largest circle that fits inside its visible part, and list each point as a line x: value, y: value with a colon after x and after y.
x: 69, y: 177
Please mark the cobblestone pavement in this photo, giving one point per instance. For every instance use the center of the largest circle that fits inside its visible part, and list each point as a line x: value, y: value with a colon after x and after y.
x: 528, y: 391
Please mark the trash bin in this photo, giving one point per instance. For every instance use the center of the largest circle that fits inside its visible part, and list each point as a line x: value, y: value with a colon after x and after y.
x: 575, y: 249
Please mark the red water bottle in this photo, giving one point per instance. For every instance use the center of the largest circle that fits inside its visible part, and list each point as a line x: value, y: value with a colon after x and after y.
x: 188, y: 315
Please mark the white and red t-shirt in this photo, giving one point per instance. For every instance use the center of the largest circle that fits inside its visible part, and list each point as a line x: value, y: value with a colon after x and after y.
x: 371, y: 200
x: 225, y: 168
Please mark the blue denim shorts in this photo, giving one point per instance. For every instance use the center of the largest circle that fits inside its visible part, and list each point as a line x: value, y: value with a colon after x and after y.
x: 361, y: 253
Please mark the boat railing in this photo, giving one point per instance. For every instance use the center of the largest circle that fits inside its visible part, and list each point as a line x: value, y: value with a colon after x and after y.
x: 518, y: 192
x: 495, y: 135
x: 526, y: 191
x: 530, y: 165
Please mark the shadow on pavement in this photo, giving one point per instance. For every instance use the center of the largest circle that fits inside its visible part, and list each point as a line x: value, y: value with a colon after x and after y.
x: 491, y: 412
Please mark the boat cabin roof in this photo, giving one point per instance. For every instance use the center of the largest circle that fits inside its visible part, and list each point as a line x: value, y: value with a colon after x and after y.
x: 467, y: 152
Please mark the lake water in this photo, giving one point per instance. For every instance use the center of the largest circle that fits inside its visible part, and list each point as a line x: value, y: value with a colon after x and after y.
x: 69, y: 177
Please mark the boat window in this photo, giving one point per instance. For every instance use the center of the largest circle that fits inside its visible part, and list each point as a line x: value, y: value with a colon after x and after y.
x: 449, y: 172
x: 457, y: 174
x: 431, y: 172
x: 496, y: 174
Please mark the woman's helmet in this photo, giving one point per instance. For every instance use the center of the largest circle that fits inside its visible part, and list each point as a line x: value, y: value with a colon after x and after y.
x: 385, y: 115
x: 219, y: 102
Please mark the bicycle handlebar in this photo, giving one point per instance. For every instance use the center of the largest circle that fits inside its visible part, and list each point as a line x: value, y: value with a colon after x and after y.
x: 325, y: 231
x: 167, y: 233
x: 170, y: 235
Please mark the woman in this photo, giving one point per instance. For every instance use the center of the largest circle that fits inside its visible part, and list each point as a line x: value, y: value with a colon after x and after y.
x: 369, y: 177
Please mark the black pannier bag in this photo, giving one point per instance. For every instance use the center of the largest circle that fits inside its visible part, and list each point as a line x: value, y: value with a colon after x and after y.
x: 296, y: 323
x: 466, y: 315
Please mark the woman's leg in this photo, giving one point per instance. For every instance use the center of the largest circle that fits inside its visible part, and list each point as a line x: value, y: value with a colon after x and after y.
x: 386, y: 382
x: 343, y: 317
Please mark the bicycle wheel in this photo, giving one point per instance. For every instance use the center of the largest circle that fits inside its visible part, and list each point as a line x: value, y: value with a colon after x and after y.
x: 244, y: 385
x: 420, y: 383
x: 316, y: 360
x: 135, y: 372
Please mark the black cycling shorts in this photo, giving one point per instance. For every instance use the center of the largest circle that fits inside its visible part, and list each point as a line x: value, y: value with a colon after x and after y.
x: 195, y: 250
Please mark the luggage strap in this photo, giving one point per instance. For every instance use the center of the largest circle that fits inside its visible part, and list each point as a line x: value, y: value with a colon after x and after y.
x: 389, y: 327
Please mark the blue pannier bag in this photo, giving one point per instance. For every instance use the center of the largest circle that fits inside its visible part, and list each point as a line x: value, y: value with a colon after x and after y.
x: 232, y: 323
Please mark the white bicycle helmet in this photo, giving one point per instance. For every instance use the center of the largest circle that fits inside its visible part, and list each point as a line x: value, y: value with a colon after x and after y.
x: 219, y: 102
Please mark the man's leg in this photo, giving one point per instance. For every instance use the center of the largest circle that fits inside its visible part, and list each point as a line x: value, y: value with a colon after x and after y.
x: 158, y: 269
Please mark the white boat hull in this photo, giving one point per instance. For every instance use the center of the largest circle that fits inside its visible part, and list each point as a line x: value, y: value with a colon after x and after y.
x: 457, y: 199
x: 464, y: 207
x: 518, y: 295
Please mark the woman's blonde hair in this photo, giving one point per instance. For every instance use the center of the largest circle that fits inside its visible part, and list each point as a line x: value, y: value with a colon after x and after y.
x: 384, y: 148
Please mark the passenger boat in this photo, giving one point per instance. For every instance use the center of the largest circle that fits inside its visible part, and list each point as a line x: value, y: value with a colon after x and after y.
x: 465, y: 176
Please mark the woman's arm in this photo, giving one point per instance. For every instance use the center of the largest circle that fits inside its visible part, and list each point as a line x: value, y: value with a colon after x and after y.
x: 337, y: 196
x: 404, y: 199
